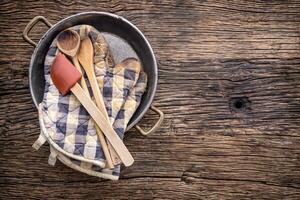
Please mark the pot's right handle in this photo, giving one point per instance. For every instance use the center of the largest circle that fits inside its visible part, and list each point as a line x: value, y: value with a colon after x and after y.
x: 30, y: 25
x: 156, y: 125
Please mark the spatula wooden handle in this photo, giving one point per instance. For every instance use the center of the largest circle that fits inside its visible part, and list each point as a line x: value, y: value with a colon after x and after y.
x: 101, y: 105
x: 102, y: 140
x: 82, y: 81
x: 85, y: 57
x: 105, y: 149
x: 97, y: 94
x: 106, y: 128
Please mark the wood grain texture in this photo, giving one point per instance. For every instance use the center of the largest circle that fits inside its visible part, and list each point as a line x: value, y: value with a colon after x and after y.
x: 213, y: 56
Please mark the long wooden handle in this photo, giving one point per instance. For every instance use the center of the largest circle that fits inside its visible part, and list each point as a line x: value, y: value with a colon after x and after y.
x: 106, y: 128
x: 82, y: 81
x: 101, y: 105
x: 97, y: 94
x: 102, y: 140
x: 105, y: 149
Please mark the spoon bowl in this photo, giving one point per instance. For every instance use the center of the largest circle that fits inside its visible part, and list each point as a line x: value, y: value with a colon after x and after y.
x: 68, y: 42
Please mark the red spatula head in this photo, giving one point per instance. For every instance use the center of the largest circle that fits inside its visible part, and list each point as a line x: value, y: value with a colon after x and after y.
x: 63, y: 74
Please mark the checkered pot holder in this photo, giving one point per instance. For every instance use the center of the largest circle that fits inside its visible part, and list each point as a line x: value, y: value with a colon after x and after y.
x: 66, y: 125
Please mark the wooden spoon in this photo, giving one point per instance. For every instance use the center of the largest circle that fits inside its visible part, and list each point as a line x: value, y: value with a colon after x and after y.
x: 68, y: 42
x: 65, y: 77
x: 85, y: 57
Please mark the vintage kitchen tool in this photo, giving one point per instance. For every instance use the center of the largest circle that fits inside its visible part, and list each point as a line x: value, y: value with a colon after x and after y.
x: 116, y: 26
x: 68, y: 42
x: 85, y: 57
x: 65, y: 77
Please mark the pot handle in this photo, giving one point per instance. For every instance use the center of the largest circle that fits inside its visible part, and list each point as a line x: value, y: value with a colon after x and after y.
x: 30, y: 25
x: 156, y: 125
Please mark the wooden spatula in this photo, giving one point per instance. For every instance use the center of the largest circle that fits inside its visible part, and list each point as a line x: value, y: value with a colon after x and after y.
x: 65, y: 77
x: 85, y: 57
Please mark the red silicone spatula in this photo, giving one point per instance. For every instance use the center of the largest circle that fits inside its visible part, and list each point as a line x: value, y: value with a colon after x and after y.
x: 65, y: 77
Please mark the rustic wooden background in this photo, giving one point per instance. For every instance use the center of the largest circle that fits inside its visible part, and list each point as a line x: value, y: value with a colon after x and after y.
x: 229, y: 84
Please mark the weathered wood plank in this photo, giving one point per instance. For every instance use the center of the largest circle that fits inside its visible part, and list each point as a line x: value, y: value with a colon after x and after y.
x: 213, y: 57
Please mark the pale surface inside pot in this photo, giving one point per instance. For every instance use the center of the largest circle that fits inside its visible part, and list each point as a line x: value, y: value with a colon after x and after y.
x: 120, y: 49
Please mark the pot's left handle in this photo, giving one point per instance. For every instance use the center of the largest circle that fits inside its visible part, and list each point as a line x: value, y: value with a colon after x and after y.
x: 30, y: 25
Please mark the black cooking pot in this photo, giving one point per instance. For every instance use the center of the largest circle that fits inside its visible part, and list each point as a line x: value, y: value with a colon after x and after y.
x: 108, y: 23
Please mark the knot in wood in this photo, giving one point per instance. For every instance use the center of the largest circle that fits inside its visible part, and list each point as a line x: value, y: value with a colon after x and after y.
x: 239, y: 104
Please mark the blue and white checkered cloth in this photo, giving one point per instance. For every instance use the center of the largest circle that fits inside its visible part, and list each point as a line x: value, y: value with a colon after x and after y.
x: 65, y: 123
